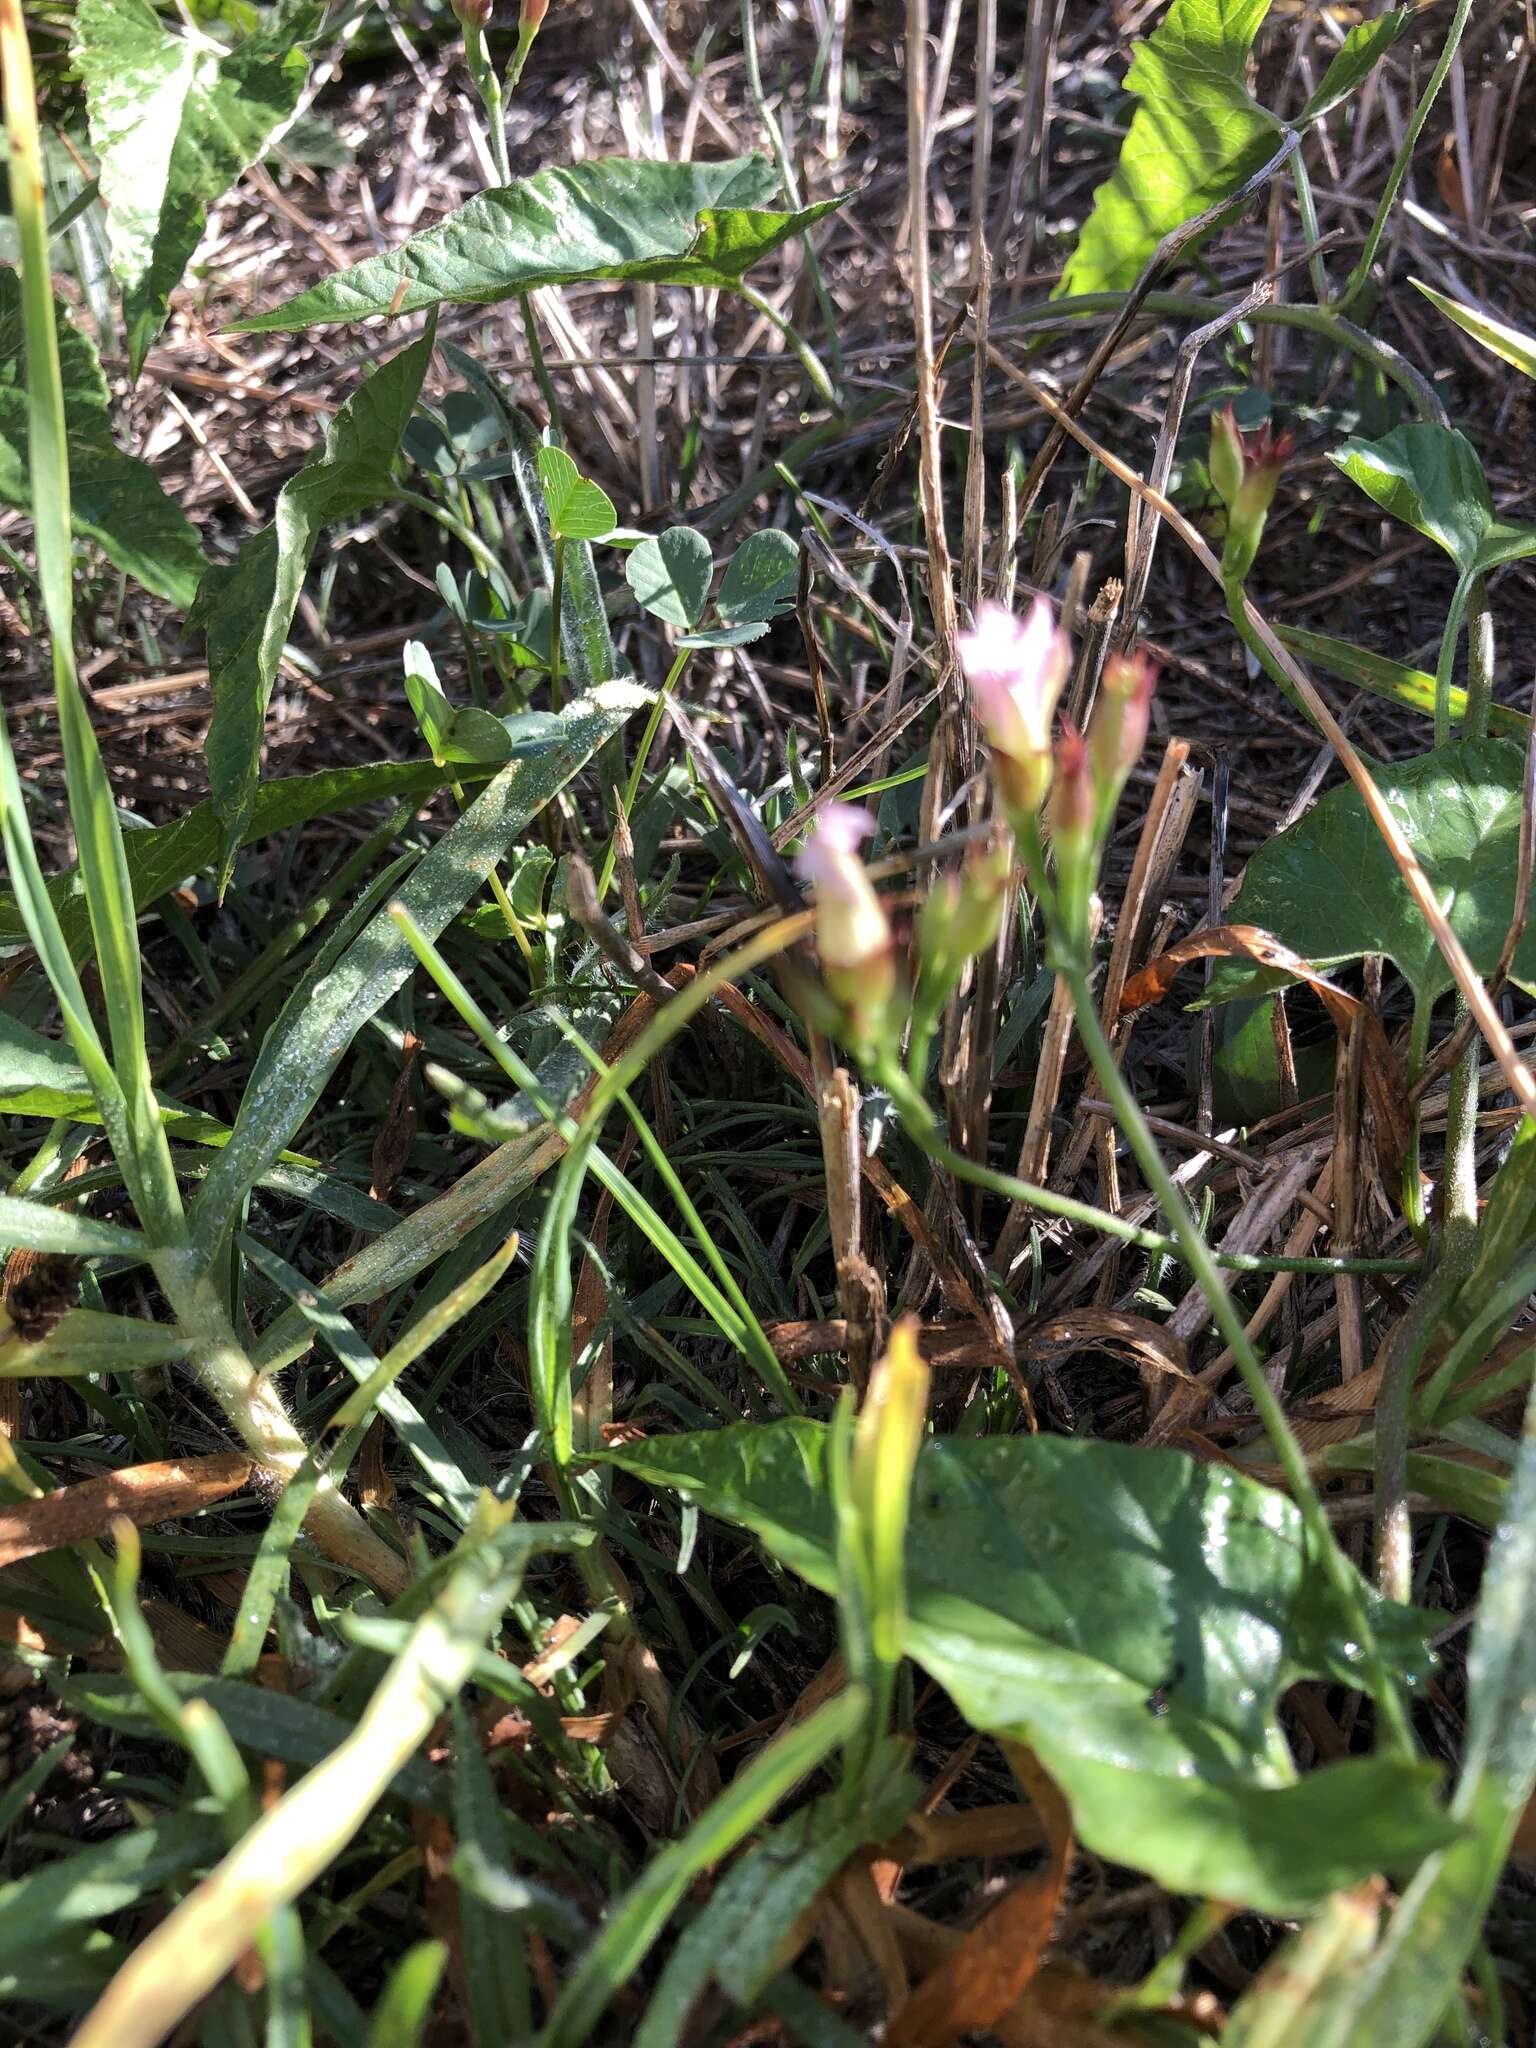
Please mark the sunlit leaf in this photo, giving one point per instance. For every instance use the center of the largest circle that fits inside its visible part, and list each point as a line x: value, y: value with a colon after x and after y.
x: 1196, y: 135
x: 578, y: 509
x: 1432, y: 479
x: 1508, y: 343
x: 173, y: 124
x: 664, y: 223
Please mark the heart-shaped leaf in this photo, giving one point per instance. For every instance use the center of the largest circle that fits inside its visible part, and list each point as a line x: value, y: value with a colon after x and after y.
x: 670, y: 575
x: 664, y: 223
x: 173, y: 124
x: 760, y: 579
x: 1196, y: 134
x: 1133, y: 1617
x: 1431, y: 478
x: 1331, y: 891
x: 578, y: 509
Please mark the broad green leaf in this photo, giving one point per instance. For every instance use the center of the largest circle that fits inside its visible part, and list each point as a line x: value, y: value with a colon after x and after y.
x: 455, y: 733
x: 35, y: 1227
x: 320, y: 1021
x: 1357, y: 57
x: 578, y: 509
x: 760, y: 579
x: 1431, y: 478
x: 1195, y: 136
x: 1131, y: 1615
x: 1329, y: 888
x: 164, y: 856
x: 115, y: 499
x: 670, y: 575
x: 1508, y: 343
x: 1383, y: 677
x: 173, y: 124
x: 614, y: 218
x: 247, y: 607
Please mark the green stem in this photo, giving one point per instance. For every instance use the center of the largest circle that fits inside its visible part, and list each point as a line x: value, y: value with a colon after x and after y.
x: 1403, y: 159
x: 556, y: 601
x: 1447, y: 661
x: 1229, y: 1321
x: 1306, y: 208
x: 541, y: 374
x: 814, y: 367
x: 642, y: 753
x: 787, y: 177
x: 917, y: 1121
x: 1459, y: 1207
x: 485, y: 561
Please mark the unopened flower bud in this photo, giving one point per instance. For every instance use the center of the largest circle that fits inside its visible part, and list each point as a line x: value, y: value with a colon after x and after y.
x: 530, y: 20
x: 1245, y: 471
x: 853, y: 936
x: 1073, y: 807
x: 963, y: 914
x: 1118, y: 730
x: 1015, y: 669
x: 473, y: 15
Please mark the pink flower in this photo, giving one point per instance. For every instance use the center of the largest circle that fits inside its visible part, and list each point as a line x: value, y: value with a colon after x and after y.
x: 852, y: 933
x: 1016, y: 668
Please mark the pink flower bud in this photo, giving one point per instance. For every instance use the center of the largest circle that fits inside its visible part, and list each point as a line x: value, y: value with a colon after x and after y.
x: 1246, y: 471
x: 531, y: 19
x: 853, y: 936
x: 1118, y: 730
x: 473, y: 15
x: 1016, y: 668
x: 1073, y: 810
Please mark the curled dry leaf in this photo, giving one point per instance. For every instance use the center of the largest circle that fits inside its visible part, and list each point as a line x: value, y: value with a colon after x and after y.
x: 1384, y: 1080
x: 142, y: 1493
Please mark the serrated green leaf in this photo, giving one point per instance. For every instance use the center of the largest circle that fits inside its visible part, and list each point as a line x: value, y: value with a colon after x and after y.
x: 578, y: 509
x: 1131, y: 1615
x: 115, y: 500
x: 760, y: 579
x: 1354, y: 61
x: 612, y: 218
x: 1195, y: 136
x: 247, y: 607
x: 1329, y: 888
x: 173, y: 124
x: 321, y: 1020
x: 1508, y: 343
x: 670, y: 575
